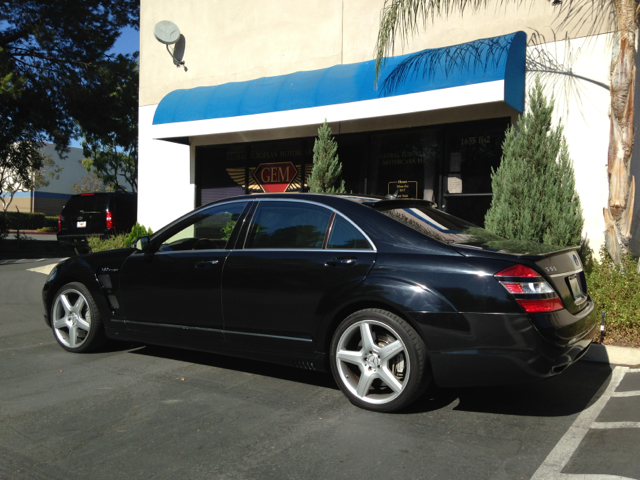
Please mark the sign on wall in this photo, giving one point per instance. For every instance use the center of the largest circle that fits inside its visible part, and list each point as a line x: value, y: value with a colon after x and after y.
x: 275, y: 177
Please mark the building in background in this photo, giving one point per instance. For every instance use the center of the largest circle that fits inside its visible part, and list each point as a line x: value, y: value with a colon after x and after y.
x: 51, y: 198
x: 233, y: 106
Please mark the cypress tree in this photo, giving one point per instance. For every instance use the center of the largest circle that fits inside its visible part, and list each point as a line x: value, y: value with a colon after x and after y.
x: 327, y: 169
x: 534, y: 196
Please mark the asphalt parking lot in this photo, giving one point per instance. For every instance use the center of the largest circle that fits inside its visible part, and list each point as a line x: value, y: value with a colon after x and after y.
x: 134, y: 411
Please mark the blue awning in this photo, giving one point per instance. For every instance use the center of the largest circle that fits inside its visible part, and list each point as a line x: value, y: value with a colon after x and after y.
x: 482, y: 61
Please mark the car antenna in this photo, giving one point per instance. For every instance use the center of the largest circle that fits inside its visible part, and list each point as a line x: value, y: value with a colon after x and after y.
x: 392, y: 197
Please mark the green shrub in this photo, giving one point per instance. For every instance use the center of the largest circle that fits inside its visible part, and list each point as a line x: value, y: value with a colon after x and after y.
x: 327, y: 169
x: 534, y: 195
x: 51, y: 222
x: 615, y: 290
x: 25, y: 221
x: 136, y: 232
x: 96, y: 244
x: 48, y: 229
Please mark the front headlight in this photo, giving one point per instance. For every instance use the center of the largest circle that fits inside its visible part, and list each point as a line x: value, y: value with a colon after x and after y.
x: 52, y: 274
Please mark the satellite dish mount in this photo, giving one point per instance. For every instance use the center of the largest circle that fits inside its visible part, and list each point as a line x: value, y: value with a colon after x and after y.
x: 168, y: 33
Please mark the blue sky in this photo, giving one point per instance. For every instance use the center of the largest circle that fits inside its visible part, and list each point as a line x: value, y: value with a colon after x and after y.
x: 128, y: 42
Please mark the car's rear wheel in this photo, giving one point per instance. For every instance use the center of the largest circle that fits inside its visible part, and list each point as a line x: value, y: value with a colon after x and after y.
x: 75, y: 319
x: 379, y: 361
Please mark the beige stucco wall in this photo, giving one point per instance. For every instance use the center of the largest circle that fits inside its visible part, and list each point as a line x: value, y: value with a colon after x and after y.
x: 246, y: 40
x: 582, y: 102
x: 22, y: 204
x: 243, y: 40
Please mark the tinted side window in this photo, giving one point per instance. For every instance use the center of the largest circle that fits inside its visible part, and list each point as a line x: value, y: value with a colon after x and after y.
x: 288, y: 225
x: 345, y: 236
x: 207, y: 230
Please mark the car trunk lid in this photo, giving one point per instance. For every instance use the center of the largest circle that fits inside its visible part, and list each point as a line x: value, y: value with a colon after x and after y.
x: 559, y: 266
x: 563, y: 270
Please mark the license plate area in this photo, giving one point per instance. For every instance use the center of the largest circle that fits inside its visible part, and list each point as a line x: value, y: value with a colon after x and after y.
x: 81, y: 224
x: 576, y: 289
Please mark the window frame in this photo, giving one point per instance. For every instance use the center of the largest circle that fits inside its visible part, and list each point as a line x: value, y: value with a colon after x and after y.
x: 241, y: 244
x: 185, y: 221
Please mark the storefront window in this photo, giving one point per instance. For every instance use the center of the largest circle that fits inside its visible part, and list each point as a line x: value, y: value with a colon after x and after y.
x: 265, y: 167
x: 407, y: 163
x: 448, y: 164
x: 472, y: 151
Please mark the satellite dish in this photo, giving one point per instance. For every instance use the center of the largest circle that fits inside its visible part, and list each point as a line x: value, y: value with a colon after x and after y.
x: 166, y: 32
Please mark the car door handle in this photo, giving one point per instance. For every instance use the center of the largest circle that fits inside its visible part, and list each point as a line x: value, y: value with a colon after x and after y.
x: 206, y: 263
x: 341, y: 262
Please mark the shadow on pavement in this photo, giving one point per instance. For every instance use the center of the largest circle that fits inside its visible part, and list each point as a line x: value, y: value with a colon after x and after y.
x: 10, y: 249
x: 561, y: 395
x: 318, y: 379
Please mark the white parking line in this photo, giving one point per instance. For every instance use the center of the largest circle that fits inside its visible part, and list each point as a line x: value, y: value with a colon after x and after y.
x: 552, y: 467
x: 627, y: 394
x: 21, y: 260
x: 46, y: 269
x: 605, y: 425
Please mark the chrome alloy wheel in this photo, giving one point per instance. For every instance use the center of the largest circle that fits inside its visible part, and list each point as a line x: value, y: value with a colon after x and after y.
x: 71, y: 318
x: 372, y: 362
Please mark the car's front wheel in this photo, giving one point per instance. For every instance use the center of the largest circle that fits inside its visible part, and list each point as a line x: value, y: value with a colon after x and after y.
x: 379, y: 361
x: 75, y: 319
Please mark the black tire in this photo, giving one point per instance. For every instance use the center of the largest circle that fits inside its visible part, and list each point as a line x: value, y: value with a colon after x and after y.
x: 386, y: 372
x: 75, y: 319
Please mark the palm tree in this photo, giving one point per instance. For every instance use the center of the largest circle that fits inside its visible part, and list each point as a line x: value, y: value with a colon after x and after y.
x: 403, y: 18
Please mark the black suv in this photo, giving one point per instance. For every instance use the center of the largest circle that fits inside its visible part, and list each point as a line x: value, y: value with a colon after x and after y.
x: 96, y: 215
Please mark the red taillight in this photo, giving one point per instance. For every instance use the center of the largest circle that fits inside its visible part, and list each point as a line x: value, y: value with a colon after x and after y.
x: 111, y: 221
x: 544, y: 305
x: 59, y: 223
x: 518, y: 271
x: 513, y: 287
x: 524, y: 283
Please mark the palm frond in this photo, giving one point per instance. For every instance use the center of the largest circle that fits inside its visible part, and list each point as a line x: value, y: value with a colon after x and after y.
x: 402, y: 18
x: 474, y: 56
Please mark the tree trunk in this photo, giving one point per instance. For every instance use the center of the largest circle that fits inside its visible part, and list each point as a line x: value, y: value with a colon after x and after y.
x: 619, y: 212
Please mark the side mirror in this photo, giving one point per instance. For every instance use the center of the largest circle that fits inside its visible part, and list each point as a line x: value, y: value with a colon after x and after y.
x: 141, y: 244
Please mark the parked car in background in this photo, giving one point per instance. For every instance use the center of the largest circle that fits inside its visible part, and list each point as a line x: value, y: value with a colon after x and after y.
x: 385, y: 294
x: 96, y: 215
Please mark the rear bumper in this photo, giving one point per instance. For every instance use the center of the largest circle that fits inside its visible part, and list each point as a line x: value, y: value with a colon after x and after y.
x: 75, y: 239
x: 498, y: 349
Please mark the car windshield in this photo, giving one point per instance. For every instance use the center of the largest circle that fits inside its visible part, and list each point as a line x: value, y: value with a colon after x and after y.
x: 424, y: 218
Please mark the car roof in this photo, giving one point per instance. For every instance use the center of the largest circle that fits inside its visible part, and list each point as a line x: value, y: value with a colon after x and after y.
x: 326, y: 198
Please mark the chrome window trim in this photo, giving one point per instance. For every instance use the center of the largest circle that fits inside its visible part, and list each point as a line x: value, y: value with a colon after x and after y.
x: 192, y: 251
x: 298, y: 250
x: 296, y: 200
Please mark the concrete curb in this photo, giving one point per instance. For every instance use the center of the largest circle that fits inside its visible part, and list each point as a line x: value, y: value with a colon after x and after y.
x: 613, y: 355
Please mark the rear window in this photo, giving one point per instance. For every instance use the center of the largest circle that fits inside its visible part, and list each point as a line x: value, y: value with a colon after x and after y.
x: 453, y: 230
x: 434, y: 223
x: 88, y: 203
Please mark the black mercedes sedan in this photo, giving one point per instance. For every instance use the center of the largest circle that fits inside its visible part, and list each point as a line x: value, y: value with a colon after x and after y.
x: 387, y: 294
